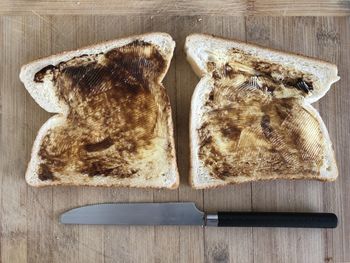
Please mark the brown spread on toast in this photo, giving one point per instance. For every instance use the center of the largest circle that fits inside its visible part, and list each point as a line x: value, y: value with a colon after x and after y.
x: 255, y: 122
x: 112, y: 111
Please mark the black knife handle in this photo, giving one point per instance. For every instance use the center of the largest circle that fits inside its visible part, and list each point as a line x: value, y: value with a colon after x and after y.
x: 274, y: 219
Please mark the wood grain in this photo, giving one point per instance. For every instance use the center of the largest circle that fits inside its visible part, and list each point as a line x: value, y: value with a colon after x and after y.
x: 29, y: 226
x: 191, y: 238
x: 283, y: 195
x: 335, y: 48
x: 176, y: 7
x: 14, y: 190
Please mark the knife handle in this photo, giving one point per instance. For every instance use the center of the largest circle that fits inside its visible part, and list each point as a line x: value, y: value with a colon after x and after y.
x: 272, y: 219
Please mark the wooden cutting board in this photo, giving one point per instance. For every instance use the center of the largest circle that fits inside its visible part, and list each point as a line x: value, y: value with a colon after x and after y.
x: 29, y: 226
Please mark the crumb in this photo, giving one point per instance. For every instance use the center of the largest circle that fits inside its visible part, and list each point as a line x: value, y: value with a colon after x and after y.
x: 199, y: 19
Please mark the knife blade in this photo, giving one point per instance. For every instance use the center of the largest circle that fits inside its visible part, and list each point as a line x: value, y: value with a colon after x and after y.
x: 135, y: 214
x: 187, y: 213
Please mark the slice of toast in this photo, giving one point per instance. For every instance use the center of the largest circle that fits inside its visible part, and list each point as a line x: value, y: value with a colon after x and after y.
x: 251, y: 117
x: 113, y: 123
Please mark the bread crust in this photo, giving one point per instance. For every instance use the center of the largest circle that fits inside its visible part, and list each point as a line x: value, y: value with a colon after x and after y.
x: 198, y: 61
x: 316, y: 60
x: 47, y: 99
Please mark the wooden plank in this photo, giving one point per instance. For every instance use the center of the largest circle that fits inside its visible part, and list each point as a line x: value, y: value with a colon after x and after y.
x: 191, y: 238
x: 222, y: 245
x: 173, y: 7
x: 288, y: 245
x: 14, y: 197
x: 333, y: 39
x: 2, y: 84
x: 300, y: 8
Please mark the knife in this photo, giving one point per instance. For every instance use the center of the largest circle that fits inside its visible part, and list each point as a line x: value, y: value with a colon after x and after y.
x: 188, y: 214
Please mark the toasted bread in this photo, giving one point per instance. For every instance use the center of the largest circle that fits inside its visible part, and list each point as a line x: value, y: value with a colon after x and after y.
x: 251, y: 116
x: 112, y: 124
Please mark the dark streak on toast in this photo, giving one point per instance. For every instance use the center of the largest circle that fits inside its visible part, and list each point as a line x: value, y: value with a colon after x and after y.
x: 45, y: 173
x: 99, y: 146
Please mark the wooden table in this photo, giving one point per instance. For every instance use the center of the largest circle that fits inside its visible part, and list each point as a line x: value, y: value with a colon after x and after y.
x: 29, y: 227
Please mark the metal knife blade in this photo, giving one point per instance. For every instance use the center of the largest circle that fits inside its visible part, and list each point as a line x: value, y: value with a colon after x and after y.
x: 135, y: 214
x: 188, y: 214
